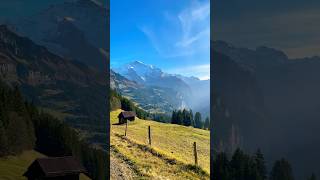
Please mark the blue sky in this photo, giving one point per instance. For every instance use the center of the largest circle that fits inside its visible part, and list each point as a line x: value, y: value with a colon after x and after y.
x: 290, y: 25
x: 172, y: 35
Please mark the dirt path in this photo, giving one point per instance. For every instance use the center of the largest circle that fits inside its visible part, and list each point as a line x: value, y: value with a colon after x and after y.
x: 119, y: 169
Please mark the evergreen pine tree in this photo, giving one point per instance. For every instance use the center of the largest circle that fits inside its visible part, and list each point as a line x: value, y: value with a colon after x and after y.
x: 312, y: 177
x: 192, y: 123
x: 238, y: 165
x: 17, y: 101
x: 221, y: 167
x: 185, y: 117
x: 281, y: 171
x: 260, y: 164
x: 207, y: 123
x: 174, y: 117
x: 3, y: 140
x: 198, y: 121
x: 179, y: 117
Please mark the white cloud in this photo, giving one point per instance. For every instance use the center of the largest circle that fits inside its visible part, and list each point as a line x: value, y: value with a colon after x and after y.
x: 204, y: 78
x: 152, y: 37
x: 201, y: 71
x: 189, y: 40
x: 164, y: 52
x: 186, y: 33
x: 195, y: 23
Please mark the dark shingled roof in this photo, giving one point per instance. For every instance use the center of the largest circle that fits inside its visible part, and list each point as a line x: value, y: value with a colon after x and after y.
x: 127, y: 114
x: 59, y: 166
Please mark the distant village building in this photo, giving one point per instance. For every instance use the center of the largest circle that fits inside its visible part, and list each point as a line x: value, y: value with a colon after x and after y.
x: 55, y: 168
x: 126, y: 115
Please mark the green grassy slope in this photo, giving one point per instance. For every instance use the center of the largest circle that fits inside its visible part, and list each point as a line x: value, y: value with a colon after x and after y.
x: 169, y: 143
x: 12, y: 167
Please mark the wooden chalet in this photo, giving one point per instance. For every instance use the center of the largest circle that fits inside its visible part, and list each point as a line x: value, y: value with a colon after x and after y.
x: 55, y: 168
x: 126, y: 115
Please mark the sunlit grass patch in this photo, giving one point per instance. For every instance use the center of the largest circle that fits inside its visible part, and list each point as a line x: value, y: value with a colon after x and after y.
x: 174, y: 142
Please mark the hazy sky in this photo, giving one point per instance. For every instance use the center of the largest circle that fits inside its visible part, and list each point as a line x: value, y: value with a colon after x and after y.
x: 289, y: 25
x: 173, y: 35
x: 18, y: 8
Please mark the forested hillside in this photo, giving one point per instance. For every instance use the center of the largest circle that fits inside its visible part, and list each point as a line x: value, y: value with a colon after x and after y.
x: 119, y: 102
x: 23, y: 127
x: 50, y: 81
x: 160, y: 99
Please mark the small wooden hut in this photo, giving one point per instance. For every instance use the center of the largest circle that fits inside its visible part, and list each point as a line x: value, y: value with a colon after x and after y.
x: 126, y: 115
x: 55, y: 168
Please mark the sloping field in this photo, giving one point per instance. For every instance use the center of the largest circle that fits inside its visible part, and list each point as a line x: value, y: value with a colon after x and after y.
x: 171, y: 152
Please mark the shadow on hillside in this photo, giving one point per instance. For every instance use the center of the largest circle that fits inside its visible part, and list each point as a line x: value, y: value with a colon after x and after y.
x: 118, y: 124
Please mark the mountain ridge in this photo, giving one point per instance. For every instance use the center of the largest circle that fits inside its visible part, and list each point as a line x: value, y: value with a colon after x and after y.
x: 51, y: 81
x: 187, y: 87
x: 290, y: 92
x: 89, y: 21
x: 150, y: 98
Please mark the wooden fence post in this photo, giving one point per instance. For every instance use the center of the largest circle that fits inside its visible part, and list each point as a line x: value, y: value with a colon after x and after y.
x: 149, y: 134
x: 125, y: 132
x: 195, y: 153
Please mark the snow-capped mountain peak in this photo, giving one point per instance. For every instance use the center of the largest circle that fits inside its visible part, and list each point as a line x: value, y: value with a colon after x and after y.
x: 138, y: 71
x: 186, y: 88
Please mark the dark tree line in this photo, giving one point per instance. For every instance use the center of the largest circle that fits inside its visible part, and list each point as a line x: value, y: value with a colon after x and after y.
x: 182, y: 117
x: 23, y: 127
x: 185, y: 117
x: 242, y: 166
x: 55, y: 138
x: 16, y: 126
x: 161, y: 117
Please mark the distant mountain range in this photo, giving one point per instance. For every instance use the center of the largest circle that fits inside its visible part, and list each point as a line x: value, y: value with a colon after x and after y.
x: 177, y: 90
x: 274, y: 101
x: 75, y: 30
x: 150, y: 98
